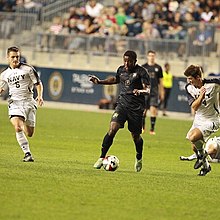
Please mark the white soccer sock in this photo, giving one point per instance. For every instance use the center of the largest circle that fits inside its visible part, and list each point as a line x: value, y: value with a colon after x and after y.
x: 192, y: 157
x: 22, y: 141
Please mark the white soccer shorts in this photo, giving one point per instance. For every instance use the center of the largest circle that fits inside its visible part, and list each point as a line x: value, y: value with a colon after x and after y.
x: 206, y: 127
x: 24, y: 108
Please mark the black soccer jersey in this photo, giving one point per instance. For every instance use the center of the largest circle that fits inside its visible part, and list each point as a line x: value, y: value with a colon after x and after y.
x: 156, y: 73
x: 134, y: 79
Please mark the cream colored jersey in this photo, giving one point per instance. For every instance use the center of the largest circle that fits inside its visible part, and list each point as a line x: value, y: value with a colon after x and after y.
x: 209, y: 109
x: 207, y: 116
x: 20, y: 81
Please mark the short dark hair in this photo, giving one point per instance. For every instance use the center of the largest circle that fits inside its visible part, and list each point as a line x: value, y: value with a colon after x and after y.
x: 151, y: 51
x: 166, y: 64
x: 131, y: 54
x: 13, y: 48
x: 194, y: 71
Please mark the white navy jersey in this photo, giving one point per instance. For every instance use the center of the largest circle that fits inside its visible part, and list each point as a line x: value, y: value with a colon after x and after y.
x: 209, y: 109
x: 20, y: 81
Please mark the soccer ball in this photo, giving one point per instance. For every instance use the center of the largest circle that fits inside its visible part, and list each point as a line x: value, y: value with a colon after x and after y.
x: 111, y: 163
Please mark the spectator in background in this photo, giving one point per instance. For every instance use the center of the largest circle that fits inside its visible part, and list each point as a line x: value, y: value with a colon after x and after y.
x: 148, y: 35
x: 73, y: 13
x: 175, y: 29
x: 120, y: 17
x: 147, y: 11
x: 94, y: 8
x: 206, y: 15
x: 49, y: 39
x: 203, y: 40
x: 7, y: 26
x: 168, y: 84
x: 121, y: 42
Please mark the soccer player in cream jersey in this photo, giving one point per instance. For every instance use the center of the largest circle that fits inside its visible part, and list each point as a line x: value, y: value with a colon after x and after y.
x: 20, y: 79
x: 212, y: 147
x: 203, y: 98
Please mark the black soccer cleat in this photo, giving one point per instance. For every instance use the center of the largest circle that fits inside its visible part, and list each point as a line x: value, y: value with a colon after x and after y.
x: 199, y: 162
x: 204, y: 171
x: 28, y: 157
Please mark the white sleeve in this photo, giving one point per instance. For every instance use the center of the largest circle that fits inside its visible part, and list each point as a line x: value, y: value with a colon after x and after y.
x: 3, y: 83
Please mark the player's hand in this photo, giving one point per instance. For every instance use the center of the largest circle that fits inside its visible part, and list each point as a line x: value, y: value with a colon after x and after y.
x: 94, y: 79
x: 136, y: 92
x: 40, y: 101
x: 202, y: 91
x: 1, y: 90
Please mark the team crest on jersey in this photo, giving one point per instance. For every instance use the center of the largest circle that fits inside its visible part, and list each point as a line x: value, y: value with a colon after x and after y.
x: 127, y: 82
x: 134, y: 75
x: 115, y: 115
x: 55, y: 85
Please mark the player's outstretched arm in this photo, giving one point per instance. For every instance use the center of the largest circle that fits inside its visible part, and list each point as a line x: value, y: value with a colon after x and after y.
x: 108, y: 81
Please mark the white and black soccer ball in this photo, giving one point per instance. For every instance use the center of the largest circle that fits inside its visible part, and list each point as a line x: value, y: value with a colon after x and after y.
x: 110, y: 163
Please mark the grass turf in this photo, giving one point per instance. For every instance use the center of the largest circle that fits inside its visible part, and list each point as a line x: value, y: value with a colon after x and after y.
x: 62, y: 184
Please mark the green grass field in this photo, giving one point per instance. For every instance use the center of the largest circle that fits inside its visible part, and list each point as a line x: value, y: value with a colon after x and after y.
x: 62, y: 184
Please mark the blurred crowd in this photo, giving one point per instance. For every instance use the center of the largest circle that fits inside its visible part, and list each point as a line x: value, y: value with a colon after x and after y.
x: 143, y: 19
x: 10, y: 5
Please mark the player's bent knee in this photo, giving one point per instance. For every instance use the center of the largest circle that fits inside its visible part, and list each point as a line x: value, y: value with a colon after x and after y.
x: 29, y: 134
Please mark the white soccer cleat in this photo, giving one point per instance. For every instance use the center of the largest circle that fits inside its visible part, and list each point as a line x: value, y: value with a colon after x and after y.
x: 99, y: 163
x: 138, y: 165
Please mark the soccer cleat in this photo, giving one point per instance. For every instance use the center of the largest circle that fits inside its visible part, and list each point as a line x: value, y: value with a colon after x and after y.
x: 138, y: 165
x: 99, y: 163
x: 152, y: 132
x: 204, y: 171
x: 189, y: 158
x: 198, y: 162
x: 201, y: 159
x: 28, y: 157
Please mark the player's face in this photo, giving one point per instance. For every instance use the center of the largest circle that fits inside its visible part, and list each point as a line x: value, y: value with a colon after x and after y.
x: 197, y: 82
x: 13, y: 59
x: 151, y: 57
x: 129, y: 63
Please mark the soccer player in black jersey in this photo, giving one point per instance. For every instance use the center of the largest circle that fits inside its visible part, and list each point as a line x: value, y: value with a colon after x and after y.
x: 157, y: 90
x: 135, y: 84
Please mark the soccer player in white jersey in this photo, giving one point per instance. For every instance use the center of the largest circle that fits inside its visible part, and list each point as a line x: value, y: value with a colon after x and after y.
x: 212, y: 147
x: 20, y: 79
x: 203, y: 98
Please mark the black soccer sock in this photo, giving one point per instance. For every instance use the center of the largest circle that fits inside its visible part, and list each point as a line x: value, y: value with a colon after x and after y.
x: 106, y: 144
x: 143, y: 122
x: 139, y: 148
x: 152, y: 122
